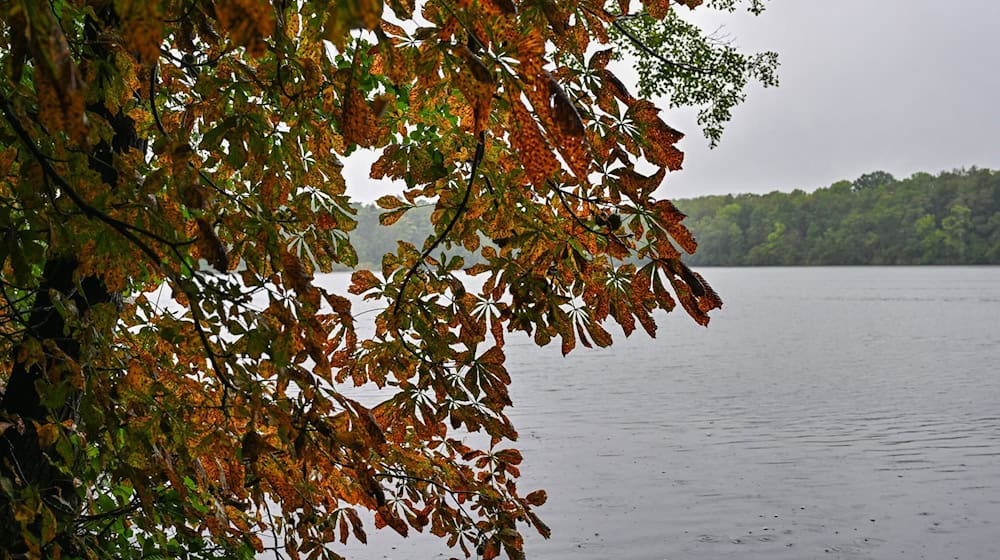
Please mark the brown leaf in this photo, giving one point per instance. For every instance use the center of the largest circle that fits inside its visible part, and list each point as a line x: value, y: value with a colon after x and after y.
x: 373, y: 432
x: 358, y: 120
x: 657, y: 9
x: 566, y: 116
x: 359, y: 528
x: 600, y: 59
x: 253, y: 446
x: 682, y: 235
x: 493, y: 356
x: 617, y: 88
x: 536, y: 498
x: 600, y: 336
x: 296, y: 274
x: 542, y: 528
x: 637, y: 186
x: 510, y: 456
x: 211, y: 247
x: 362, y: 281
x: 475, y: 64
x: 386, y: 517
x: 533, y: 151
x: 658, y: 137
x: 505, y: 6
x: 557, y: 17
x: 666, y: 212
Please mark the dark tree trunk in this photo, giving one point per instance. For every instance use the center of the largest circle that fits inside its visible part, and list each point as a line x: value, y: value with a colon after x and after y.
x: 27, y: 395
x: 23, y: 460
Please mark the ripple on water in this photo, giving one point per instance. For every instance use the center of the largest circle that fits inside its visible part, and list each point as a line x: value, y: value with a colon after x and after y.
x: 859, y: 406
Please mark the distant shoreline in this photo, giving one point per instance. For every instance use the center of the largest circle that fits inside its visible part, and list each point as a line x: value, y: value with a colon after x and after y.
x: 949, y: 219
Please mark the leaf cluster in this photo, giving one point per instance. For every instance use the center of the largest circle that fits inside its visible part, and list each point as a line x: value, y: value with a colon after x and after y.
x: 678, y: 61
x: 172, y: 183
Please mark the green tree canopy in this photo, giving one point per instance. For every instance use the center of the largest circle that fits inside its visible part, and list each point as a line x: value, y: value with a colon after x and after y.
x: 952, y: 218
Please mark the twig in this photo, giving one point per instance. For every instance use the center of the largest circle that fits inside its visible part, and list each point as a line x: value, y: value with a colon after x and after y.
x: 124, y: 229
x: 476, y: 159
x: 617, y: 24
x: 129, y: 508
x: 581, y: 223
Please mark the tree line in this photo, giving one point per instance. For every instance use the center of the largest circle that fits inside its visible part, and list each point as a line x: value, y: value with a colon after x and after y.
x: 951, y: 218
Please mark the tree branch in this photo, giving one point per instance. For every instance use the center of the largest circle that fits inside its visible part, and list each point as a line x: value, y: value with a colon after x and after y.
x: 638, y: 42
x: 476, y: 160
x: 124, y: 229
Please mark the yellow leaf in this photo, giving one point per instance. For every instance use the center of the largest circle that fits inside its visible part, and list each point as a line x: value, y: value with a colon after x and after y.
x: 390, y: 202
x: 48, y: 434
x: 23, y: 514
x: 389, y: 218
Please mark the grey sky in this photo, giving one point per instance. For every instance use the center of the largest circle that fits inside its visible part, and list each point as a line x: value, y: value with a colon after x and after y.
x: 895, y: 85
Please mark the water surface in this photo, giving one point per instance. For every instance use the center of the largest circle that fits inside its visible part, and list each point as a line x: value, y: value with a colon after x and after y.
x: 842, y: 413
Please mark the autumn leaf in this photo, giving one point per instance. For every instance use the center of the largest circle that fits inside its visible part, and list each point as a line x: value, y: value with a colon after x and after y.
x: 362, y: 281
x: 47, y: 434
x: 389, y: 218
x: 659, y: 137
x: 536, y: 498
x: 533, y: 151
x: 658, y: 8
x: 390, y: 202
x: 637, y: 186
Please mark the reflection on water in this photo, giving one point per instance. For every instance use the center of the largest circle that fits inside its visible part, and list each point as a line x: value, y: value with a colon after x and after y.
x: 827, y: 413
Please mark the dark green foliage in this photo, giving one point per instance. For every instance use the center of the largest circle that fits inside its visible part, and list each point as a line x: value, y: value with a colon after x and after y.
x: 692, y: 69
x: 953, y: 218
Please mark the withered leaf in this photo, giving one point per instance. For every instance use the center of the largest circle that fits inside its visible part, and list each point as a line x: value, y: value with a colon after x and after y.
x: 563, y: 110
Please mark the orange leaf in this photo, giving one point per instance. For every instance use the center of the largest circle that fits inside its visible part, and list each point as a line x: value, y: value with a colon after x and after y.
x: 532, y: 149
x: 47, y: 434
x: 659, y: 138
x: 510, y: 456
x: 493, y: 356
x: 600, y: 59
x: 385, y: 517
x: 682, y: 235
x: 637, y: 186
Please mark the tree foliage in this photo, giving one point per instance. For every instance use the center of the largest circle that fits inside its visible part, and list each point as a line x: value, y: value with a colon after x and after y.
x: 171, y: 181
x: 951, y: 218
x: 689, y: 68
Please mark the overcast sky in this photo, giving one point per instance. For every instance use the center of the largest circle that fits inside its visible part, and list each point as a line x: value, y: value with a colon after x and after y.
x: 894, y: 85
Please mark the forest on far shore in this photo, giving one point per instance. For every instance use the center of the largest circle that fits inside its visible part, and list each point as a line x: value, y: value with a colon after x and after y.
x: 951, y: 218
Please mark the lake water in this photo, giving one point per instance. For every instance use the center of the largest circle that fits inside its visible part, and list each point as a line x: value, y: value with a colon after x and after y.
x: 841, y: 413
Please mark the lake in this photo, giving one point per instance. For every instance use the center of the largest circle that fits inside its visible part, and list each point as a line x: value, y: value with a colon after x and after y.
x: 841, y: 413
